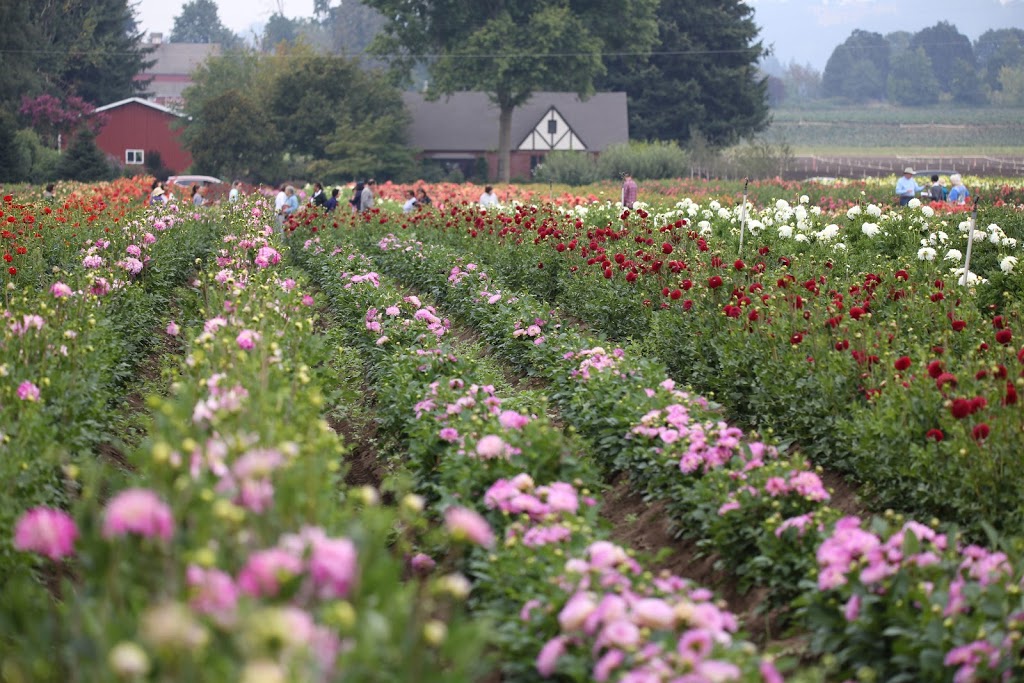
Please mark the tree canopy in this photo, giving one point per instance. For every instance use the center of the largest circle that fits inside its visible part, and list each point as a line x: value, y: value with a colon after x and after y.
x: 313, y: 109
x: 508, y: 49
x: 858, y: 69
x: 199, y: 22
x: 700, y: 76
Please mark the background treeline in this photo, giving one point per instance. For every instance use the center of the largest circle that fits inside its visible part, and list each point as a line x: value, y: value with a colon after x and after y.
x: 311, y: 97
x: 937, y: 64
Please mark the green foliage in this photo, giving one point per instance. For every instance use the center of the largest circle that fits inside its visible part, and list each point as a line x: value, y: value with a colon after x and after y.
x: 83, y: 160
x: 998, y: 48
x: 945, y: 48
x: 199, y: 22
x: 858, y: 69
x: 94, y: 49
x: 644, y: 161
x: 231, y: 135
x: 509, y: 53
x: 910, y: 79
x: 11, y: 161
x: 570, y: 168
x: 1011, y: 82
x: 316, y: 113
x: 38, y: 161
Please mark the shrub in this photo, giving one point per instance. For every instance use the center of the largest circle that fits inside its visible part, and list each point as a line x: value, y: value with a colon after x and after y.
x: 644, y: 160
x: 568, y: 168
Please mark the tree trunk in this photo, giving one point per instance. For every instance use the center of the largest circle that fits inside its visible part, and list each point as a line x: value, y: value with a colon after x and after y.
x: 505, y: 143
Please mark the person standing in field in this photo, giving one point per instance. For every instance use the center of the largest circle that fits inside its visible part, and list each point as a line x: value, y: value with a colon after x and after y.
x: 959, y: 193
x: 488, y: 198
x: 937, y: 190
x: 422, y: 198
x: 279, y: 200
x: 410, y: 202
x: 366, y: 199
x: 319, y: 198
x: 332, y: 203
x: 907, y: 187
x: 236, y: 191
x: 629, y: 191
x: 357, y: 197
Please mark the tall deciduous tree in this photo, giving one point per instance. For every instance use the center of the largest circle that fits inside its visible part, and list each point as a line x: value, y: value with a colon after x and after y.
x: 702, y: 75
x: 858, y: 69
x: 199, y: 22
x: 945, y: 46
x: 506, y: 48
x: 911, y: 80
x: 232, y: 136
x: 995, y: 49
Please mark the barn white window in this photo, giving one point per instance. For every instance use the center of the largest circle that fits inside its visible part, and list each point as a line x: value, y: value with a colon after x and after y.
x: 134, y: 156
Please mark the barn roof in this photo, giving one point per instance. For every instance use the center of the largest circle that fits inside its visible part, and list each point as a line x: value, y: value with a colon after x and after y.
x: 468, y: 121
x: 137, y: 100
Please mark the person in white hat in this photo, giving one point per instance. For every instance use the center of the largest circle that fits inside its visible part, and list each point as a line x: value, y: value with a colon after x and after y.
x: 906, y: 187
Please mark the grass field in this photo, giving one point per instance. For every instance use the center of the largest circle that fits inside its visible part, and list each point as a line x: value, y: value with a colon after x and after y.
x: 896, y: 131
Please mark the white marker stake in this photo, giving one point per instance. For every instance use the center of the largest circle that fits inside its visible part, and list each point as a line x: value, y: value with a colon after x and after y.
x: 743, y: 214
x: 970, y: 243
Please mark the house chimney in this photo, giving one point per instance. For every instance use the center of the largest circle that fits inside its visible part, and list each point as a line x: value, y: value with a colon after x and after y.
x: 156, y: 38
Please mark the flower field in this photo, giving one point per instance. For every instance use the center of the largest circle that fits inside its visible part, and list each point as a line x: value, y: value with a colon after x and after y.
x: 180, y: 508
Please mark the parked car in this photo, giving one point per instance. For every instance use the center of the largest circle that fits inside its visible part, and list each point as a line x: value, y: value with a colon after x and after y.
x: 216, y: 189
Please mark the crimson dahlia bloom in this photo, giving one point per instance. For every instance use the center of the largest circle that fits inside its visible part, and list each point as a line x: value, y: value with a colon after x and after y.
x: 980, y: 432
x: 715, y: 281
x: 902, y: 363
x: 935, y: 435
x: 1004, y: 336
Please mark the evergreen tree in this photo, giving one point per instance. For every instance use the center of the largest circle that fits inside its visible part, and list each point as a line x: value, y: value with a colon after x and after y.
x: 10, y: 160
x: 20, y: 51
x: 83, y: 160
x: 701, y: 75
x: 95, y: 49
x: 199, y: 22
x: 858, y: 69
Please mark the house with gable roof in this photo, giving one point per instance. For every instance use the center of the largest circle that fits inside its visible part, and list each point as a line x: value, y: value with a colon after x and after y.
x: 135, y: 128
x: 173, y: 64
x: 462, y: 128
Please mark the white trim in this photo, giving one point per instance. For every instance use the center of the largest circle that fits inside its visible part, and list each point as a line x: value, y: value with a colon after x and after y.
x: 139, y: 154
x: 563, y: 137
x: 137, y: 100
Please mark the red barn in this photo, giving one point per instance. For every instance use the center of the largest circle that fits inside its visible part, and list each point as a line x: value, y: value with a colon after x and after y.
x: 135, y: 127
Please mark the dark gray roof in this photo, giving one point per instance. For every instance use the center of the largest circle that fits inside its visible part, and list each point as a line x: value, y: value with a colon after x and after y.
x: 468, y: 121
x: 180, y: 59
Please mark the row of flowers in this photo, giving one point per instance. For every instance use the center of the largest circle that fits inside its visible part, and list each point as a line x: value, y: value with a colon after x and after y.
x: 586, y: 608
x: 798, y: 324
x: 230, y: 548
x: 767, y: 516
x: 78, y: 319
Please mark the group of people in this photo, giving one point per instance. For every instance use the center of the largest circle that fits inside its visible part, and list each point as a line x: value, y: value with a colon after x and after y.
x: 907, y: 188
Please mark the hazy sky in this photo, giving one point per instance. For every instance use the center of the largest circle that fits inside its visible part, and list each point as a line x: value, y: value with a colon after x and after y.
x: 804, y: 31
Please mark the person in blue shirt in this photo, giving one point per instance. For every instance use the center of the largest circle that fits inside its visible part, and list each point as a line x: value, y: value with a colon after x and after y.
x: 959, y: 193
x: 906, y: 187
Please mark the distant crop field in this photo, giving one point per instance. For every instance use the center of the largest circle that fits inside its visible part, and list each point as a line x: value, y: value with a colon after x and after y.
x: 895, y: 130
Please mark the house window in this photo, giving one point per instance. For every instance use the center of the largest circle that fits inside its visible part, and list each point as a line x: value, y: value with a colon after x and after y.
x: 134, y: 156
x: 552, y: 127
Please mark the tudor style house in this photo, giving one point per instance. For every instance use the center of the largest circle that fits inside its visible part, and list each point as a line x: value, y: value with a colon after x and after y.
x: 463, y: 128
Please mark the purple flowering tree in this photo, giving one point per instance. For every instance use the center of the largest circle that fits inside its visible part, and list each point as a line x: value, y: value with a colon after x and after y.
x: 52, y: 116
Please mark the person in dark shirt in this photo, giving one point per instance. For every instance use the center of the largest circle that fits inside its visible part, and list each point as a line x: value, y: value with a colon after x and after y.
x: 356, y: 200
x: 332, y: 203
